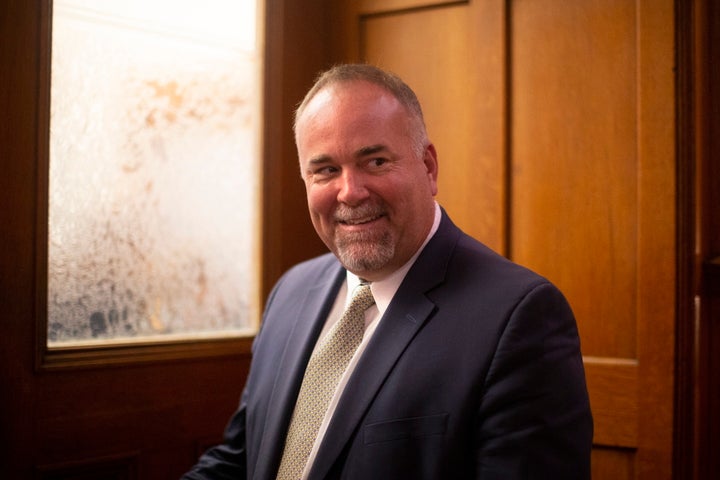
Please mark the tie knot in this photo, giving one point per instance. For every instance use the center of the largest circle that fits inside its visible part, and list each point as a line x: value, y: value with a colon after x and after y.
x: 362, y: 298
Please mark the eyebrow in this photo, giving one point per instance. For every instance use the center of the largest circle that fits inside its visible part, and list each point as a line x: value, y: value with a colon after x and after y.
x: 362, y: 152
x: 370, y: 150
x: 319, y: 160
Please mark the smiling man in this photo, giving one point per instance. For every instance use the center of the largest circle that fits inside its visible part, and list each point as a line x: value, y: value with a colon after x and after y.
x: 370, y: 174
x: 411, y: 351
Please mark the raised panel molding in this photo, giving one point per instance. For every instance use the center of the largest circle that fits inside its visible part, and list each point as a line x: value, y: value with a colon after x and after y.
x: 369, y: 7
x: 612, y: 384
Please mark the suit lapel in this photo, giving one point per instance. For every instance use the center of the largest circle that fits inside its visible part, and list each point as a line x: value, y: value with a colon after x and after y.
x: 308, y: 323
x: 406, y: 314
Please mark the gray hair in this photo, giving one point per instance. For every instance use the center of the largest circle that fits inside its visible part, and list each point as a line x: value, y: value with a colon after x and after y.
x: 345, y: 73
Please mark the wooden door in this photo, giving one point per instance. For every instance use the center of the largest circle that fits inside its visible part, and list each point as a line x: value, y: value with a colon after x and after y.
x: 133, y: 412
x: 554, y: 125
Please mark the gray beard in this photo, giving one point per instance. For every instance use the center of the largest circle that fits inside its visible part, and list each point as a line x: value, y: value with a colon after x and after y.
x: 362, y: 253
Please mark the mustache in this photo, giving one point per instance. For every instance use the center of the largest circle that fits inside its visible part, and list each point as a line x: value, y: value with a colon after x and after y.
x: 345, y: 214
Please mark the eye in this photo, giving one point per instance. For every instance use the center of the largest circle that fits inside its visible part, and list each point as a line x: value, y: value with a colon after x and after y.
x: 377, y: 162
x: 325, y: 171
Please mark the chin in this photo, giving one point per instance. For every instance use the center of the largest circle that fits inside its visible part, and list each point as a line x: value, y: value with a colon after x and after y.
x: 366, y: 259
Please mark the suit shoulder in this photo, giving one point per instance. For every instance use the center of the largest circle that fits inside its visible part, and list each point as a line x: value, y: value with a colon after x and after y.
x: 318, y: 267
x: 314, y: 271
x: 477, y: 259
x: 465, y: 265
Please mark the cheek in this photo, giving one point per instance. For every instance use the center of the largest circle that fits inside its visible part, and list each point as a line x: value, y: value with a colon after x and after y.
x: 320, y: 201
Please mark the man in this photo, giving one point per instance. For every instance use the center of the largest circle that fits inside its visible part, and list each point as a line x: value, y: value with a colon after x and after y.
x: 468, y: 366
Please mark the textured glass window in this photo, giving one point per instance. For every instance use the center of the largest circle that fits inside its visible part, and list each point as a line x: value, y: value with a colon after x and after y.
x: 153, y: 212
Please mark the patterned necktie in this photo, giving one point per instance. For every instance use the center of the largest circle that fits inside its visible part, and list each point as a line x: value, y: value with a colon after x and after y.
x: 327, y: 364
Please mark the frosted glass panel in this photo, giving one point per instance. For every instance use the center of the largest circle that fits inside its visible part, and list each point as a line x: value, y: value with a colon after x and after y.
x: 153, y: 215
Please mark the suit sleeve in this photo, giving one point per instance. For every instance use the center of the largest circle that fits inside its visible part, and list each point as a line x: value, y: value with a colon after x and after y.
x: 534, y: 418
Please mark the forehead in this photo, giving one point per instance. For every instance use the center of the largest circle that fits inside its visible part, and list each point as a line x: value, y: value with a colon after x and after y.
x: 348, y: 107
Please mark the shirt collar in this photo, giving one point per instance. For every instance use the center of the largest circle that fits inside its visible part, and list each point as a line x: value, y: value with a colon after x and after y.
x: 384, y: 290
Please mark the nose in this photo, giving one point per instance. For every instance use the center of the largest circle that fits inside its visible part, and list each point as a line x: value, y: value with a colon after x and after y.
x: 353, y: 188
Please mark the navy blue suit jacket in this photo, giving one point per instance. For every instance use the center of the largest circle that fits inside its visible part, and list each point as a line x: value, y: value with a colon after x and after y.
x: 474, y: 372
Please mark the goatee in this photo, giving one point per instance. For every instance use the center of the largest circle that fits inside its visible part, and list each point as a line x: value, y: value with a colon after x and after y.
x: 363, y: 251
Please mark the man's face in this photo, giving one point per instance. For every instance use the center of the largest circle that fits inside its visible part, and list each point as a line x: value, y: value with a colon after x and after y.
x: 369, y: 194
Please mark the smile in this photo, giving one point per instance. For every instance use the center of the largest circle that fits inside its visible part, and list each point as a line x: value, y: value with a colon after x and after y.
x: 359, y: 221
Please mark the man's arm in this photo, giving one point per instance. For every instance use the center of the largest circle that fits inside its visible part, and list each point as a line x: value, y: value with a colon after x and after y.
x: 535, y: 419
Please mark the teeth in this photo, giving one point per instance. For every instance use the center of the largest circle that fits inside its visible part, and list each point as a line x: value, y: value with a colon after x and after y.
x: 358, y: 221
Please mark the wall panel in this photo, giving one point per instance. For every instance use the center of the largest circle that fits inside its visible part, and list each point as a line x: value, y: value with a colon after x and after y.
x: 592, y: 199
x: 575, y: 162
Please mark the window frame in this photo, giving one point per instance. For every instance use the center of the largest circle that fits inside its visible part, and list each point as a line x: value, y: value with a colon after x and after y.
x: 122, y: 352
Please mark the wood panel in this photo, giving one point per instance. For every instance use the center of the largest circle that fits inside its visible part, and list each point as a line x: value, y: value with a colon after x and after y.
x: 574, y: 160
x: 613, y: 387
x: 657, y: 220
x: 461, y: 91
x: 118, y: 467
x: 593, y: 198
x: 612, y: 463
x: 296, y: 51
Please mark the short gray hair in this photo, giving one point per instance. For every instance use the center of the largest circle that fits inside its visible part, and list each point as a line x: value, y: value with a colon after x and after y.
x: 369, y: 73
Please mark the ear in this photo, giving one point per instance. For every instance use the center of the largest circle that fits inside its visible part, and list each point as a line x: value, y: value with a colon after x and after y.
x: 431, y: 165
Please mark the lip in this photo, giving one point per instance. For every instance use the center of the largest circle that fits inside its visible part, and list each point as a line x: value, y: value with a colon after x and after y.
x: 360, y: 223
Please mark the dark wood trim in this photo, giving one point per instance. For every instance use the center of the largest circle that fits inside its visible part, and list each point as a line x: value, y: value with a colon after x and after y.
x: 271, y: 146
x: 296, y: 49
x: 711, y: 278
x: 119, y: 467
x: 708, y: 418
x: 709, y: 318
x: 684, y: 435
x: 42, y: 173
x: 74, y: 358
x: 697, y: 394
x: 507, y: 176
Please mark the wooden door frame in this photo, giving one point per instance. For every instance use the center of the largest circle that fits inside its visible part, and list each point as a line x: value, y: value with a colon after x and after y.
x: 697, y: 394
x: 295, y: 51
